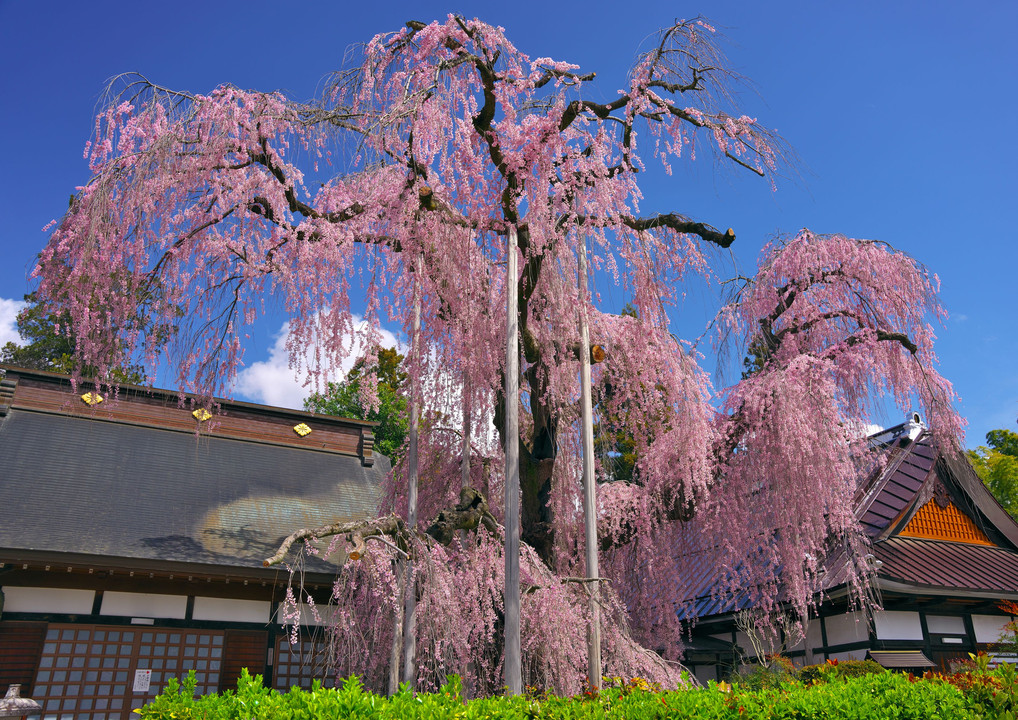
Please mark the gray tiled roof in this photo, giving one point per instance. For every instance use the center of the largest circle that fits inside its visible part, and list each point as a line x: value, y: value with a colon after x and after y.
x: 94, y: 487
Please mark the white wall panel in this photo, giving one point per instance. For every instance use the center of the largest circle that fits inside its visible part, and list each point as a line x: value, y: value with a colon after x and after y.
x: 227, y: 610
x: 945, y: 624
x: 48, y: 600
x: 144, y: 605
x: 898, y: 625
x: 814, y: 635
x: 988, y: 627
x: 847, y: 628
x: 325, y: 615
x: 801, y: 644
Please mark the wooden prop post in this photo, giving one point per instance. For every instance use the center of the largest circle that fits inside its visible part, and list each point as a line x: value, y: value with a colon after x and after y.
x: 513, y: 658
x: 589, y: 484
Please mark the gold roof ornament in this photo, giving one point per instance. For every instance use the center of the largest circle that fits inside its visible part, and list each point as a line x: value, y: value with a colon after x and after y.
x: 92, y: 398
x: 302, y: 429
x: 201, y: 415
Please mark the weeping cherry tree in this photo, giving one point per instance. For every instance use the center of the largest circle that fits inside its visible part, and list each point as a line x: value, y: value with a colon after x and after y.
x: 405, y: 179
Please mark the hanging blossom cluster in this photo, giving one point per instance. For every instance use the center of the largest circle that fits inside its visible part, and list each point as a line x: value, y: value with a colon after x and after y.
x: 399, y: 188
x: 837, y: 324
x: 459, y: 617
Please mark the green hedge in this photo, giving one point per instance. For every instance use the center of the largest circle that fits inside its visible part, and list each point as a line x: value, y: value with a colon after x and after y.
x: 872, y: 696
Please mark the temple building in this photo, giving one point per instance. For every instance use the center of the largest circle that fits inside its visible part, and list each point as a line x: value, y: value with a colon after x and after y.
x: 133, y: 530
x: 944, y: 555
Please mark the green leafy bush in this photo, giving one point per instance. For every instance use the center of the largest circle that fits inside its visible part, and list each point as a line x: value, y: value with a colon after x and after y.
x: 988, y: 693
x: 877, y: 696
x: 839, y: 669
x: 759, y: 677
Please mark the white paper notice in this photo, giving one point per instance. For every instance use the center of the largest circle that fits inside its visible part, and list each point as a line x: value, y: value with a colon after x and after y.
x: 142, y: 680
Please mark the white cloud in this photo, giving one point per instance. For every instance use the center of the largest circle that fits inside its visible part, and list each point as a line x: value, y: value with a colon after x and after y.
x: 8, y: 321
x: 274, y: 382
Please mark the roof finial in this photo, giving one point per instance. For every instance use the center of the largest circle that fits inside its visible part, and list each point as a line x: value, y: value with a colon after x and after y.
x: 914, y: 426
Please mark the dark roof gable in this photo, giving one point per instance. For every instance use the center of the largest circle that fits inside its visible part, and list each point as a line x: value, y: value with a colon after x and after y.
x: 914, y: 471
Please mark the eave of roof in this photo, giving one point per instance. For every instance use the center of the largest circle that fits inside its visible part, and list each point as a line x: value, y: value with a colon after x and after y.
x: 901, y: 658
x: 937, y: 564
x: 126, y: 390
x: 59, y: 562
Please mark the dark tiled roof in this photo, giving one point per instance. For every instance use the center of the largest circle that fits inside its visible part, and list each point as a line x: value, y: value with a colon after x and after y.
x: 700, y: 576
x: 894, y: 487
x: 939, y: 564
x: 97, y: 487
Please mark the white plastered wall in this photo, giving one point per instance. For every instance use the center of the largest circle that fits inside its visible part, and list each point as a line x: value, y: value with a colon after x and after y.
x: 897, y: 625
x: 149, y: 605
x: 57, y: 601
x: 227, y: 610
x: 988, y: 627
x: 847, y: 628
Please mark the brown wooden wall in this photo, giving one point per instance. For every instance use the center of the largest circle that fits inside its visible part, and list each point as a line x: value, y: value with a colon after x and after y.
x: 244, y: 649
x: 51, y: 393
x: 20, y: 647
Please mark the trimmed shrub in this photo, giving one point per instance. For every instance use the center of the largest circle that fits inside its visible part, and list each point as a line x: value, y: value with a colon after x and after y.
x: 880, y: 696
x: 839, y: 669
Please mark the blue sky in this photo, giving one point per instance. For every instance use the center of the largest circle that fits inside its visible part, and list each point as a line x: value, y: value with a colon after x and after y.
x: 903, y: 115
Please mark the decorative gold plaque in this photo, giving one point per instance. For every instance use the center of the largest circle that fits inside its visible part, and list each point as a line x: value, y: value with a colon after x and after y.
x: 91, y: 398
x: 201, y: 414
x: 302, y: 429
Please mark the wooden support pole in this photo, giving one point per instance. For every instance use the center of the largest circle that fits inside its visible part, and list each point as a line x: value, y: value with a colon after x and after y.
x: 410, y: 596
x: 396, y: 651
x: 465, y: 450
x: 511, y: 594
x: 589, y: 484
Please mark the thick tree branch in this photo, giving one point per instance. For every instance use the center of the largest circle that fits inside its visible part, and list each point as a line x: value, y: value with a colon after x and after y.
x: 471, y: 512
x: 680, y: 224
x: 882, y: 335
x: 391, y: 526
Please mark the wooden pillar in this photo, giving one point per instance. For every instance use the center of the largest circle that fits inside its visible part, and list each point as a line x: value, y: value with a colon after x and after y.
x: 410, y: 596
x: 589, y: 484
x: 511, y: 595
x: 396, y: 651
x: 465, y: 457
